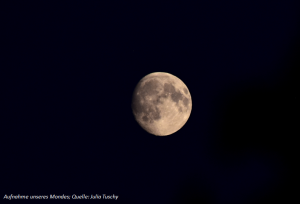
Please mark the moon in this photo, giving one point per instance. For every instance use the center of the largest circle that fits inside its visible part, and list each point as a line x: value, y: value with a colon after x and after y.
x: 161, y: 103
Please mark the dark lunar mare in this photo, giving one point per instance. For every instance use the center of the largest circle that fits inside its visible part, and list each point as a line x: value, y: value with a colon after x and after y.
x: 185, y: 90
x: 176, y: 96
x: 186, y: 102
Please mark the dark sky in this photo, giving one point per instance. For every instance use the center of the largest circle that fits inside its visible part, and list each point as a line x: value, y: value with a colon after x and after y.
x: 74, y: 66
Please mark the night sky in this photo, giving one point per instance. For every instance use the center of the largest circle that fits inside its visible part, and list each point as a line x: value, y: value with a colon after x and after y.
x: 72, y: 69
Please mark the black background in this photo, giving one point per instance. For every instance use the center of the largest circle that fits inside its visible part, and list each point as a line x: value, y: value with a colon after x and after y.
x: 72, y: 68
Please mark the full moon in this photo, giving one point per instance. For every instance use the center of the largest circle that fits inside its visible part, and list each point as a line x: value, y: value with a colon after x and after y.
x: 161, y: 103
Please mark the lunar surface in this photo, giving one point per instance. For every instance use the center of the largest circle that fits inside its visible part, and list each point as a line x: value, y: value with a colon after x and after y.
x: 161, y: 103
